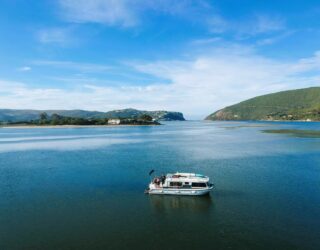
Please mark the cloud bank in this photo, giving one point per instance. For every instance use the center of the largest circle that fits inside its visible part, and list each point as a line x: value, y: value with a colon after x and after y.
x: 196, y: 86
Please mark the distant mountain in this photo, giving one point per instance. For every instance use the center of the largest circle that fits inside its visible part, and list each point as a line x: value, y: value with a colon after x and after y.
x: 158, y: 115
x: 17, y: 115
x: 300, y: 104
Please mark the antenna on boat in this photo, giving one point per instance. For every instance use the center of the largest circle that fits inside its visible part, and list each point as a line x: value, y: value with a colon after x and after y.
x: 150, y: 173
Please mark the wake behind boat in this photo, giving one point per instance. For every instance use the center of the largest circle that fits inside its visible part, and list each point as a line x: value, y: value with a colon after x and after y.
x: 180, y: 184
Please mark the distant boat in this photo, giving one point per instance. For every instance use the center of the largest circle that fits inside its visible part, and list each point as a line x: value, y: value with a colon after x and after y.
x: 180, y: 184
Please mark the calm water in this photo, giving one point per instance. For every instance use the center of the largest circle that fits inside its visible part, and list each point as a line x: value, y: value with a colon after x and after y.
x: 82, y: 188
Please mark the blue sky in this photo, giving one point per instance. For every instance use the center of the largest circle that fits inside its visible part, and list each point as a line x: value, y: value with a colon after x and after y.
x: 183, y: 55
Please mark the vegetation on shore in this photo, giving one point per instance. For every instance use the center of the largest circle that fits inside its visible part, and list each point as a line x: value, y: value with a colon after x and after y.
x: 300, y: 104
x: 16, y: 115
x: 55, y: 120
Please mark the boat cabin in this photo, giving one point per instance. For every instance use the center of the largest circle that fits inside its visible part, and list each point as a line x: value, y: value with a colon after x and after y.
x: 182, y: 180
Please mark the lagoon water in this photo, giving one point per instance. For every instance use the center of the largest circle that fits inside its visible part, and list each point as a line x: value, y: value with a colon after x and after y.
x: 82, y: 188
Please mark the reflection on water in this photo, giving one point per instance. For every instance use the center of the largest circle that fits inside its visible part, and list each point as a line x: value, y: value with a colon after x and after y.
x: 166, y: 203
x: 64, y: 144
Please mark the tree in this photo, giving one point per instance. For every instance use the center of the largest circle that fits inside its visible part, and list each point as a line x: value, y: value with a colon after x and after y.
x: 146, y: 117
x: 56, y: 119
x: 43, y: 116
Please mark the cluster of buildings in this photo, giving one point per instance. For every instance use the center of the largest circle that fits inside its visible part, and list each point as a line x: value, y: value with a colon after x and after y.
x: 114, y: 121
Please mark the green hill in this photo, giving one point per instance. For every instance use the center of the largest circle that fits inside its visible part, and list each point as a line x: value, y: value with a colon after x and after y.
x: 158, y: 115
x: 300, y: 104
x: 17, y: 115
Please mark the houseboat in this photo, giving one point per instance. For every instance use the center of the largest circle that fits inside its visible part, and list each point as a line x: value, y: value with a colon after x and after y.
x: 180, y: 184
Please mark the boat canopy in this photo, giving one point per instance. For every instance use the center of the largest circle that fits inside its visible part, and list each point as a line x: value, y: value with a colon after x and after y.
x: 187, y: 177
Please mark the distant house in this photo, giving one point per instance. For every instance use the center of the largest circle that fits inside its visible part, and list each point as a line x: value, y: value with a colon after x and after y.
x: 114, y: 121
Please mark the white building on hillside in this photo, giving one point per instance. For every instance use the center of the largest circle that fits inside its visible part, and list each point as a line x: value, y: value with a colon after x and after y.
x: 114, y: 121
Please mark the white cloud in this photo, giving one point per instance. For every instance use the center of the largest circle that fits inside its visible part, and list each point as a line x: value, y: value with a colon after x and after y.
x: 24, y: 68
x: 78, y: 66
x: 308, y: 64
x: 274, y: 39
x: 198, y: 86
x: 126, y: 12
x: 129, y: 13
x: 218, y: 24
x: 55, y: 36
x: 205, y: 41
x: 265, y: 24
x: 255, y: 25
x: 112, y: 12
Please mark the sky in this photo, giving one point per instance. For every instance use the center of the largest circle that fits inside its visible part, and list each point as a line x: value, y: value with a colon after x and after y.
x: 192, y: 56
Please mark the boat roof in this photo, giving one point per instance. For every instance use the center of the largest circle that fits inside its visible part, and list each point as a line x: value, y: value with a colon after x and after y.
x: 187, y: 177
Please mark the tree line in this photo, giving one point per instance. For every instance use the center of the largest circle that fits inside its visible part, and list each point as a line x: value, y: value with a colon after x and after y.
x: 55, y: 119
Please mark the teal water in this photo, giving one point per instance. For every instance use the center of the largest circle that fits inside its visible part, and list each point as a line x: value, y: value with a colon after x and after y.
x: 82, y: 188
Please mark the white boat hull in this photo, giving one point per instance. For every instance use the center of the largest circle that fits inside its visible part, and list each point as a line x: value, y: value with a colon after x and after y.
x: 180, y: 191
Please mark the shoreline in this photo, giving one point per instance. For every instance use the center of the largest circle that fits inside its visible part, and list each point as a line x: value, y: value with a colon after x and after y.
x: 73, y: 126
x: 262, y: 120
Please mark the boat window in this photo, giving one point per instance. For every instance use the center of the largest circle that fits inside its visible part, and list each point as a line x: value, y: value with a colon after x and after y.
x: 199, y: 184
x: 175, y: 184
x: 186, y: 183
